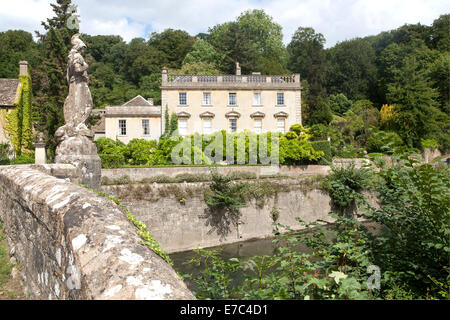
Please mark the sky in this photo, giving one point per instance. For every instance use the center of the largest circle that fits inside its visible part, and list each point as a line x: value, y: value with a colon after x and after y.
x: 337, y: 20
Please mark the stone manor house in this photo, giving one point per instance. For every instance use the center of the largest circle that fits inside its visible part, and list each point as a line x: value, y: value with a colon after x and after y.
x: 207, y: 104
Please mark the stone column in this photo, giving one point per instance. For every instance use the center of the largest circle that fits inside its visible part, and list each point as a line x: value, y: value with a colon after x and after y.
x: 164, y: 75
x: 23, y: 68
x: 40, y: 157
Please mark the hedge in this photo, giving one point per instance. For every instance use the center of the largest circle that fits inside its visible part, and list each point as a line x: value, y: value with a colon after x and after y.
x: 110, y: 161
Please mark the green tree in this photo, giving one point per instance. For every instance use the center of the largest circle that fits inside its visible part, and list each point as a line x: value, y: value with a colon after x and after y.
x: 228, y: 39
x: 351, y: 69
x: 439, y: 76
x: 174, y: 44
x: 306, y: 56
x: 252, y: 40
x: 15, y: 46
x: 49, y: 76
x: 204, y: 52
x: 415, y: 101
x: 339, y: 103
x: 322, y: 114
x: 440, y: 33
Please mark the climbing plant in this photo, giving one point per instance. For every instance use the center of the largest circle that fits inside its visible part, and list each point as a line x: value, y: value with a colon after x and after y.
x: 18, y: 122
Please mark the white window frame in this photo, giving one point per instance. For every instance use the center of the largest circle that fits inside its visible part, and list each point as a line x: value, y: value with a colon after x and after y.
x: 230, y: 127
x: 145, y: 127
x: 232, y: 94
x: 122, y: 127
x: 280, y: 98
x: 257, y: 101
x: 207, y: 98
x: 182, y: 101
x: 207, y: 129
x: 281, y: 129
x: 257, y: 129
x: 182, y: 130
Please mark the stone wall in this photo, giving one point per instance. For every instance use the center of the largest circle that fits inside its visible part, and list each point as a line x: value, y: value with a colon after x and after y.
x: 137, y: 174
x: 179, y: 220
x: 73, y: 244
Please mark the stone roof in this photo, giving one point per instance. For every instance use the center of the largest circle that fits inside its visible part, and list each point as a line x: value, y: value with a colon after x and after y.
x: 8, y: 91
x: 137, y: 101
x: 136, y: 107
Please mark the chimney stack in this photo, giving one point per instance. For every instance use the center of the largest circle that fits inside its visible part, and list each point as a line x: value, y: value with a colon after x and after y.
x: 238, y: 69
x: 23, y: 68
x: 164, y: 75
x: 150, y: 100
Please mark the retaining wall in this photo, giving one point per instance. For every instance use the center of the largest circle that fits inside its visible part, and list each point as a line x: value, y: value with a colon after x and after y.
x: 181, y: 221
x: 137, y: 174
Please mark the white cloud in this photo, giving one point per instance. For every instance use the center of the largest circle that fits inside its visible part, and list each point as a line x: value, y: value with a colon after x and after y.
x: 338, y: 20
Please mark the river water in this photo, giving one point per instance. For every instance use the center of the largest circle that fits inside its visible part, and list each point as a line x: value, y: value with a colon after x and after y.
x: 241, y: 250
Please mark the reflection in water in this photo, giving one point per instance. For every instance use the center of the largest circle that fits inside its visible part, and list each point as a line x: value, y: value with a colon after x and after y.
x: 241, y: 250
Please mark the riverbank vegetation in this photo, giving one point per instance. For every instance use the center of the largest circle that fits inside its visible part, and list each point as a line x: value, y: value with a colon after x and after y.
x: 407, y: 258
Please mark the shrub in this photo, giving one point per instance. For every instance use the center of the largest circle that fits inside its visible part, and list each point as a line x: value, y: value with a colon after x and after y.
x: 110, y: 161
x: 345, y: 184
x: 139, y: 151
x: 415, y: 212
x: 224, y: 194
x: 5, y: 150
x: 4, y: 161
x: 429, y: 143
x: 325, y: 147
x: 112, y: 153
x: 296, y: 152
x: 23, y: 159
x: 384, y: 142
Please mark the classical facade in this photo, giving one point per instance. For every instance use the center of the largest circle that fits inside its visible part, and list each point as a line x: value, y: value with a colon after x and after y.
x: 206, y: 104
x: 136, y: 119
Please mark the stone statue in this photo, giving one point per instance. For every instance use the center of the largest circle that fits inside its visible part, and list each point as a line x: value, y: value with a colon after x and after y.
x: 76, y: 146
x: 78, y: 104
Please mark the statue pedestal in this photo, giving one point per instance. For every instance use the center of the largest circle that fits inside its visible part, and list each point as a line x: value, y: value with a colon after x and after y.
x: 39, y: 153
x: 81, y: 152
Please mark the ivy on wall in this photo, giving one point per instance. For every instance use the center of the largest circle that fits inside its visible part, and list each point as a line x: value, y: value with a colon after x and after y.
x: 19, y: 124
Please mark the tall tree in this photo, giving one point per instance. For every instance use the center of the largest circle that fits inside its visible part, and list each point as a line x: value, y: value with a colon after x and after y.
x: 416, y: 115
x: 16, y: 45
x: 230, y: 40
x: 202, y: 51
x: 351, y: 69
x: 175, y: 44
x: 49, y: 77
x: 306, y: 56
x: 254, y: 40
x: 440, y: 33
